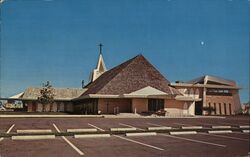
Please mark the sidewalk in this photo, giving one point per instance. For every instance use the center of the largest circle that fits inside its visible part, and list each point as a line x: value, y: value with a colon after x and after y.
x: 121, y: 115
x: 132, y: 115
x: 51, y: 116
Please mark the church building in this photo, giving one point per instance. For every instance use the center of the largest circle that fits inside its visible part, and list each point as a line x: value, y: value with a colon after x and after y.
x: 136, y: 86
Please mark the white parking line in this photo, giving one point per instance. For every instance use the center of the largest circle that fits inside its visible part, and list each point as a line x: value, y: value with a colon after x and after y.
x: 137, y: 142
x: 242, y: 133
x: 8, y: 131
x: 246, y: 131
x: 131, y: 126
x: 192, y: 140
x: 155, y: 124
x: 56, y: 128
x: 234, y: 138
x: 66, y: 140
x: 95, y: 127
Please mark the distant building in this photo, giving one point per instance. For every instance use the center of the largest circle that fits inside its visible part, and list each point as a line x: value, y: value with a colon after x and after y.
x: 136, y: 86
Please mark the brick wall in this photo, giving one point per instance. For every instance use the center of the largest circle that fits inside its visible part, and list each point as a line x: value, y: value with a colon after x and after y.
x: 140, y: 105
x: 107, y: 106
x: 218, y: 103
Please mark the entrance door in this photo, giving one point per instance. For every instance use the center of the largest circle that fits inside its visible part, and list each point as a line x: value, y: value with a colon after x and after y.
x: 155, y: 104
x: 198, y: 108
x: 33, y: 107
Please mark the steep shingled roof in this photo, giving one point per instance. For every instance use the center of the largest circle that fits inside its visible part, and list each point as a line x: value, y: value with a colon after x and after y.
x: 130, y: 76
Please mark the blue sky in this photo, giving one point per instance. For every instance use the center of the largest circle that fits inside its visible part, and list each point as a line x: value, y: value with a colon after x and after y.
x: 57, y: 40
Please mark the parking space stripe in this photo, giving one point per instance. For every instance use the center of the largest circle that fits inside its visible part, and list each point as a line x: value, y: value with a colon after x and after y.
x: 131, y: 126
x: 234, y: 138
x: 8, y: 131
x: 66, y: 140
x: 192, y: 140
x: 95, y: 127
x: 241, y: 133
x: 140, y: 143
x: 155, y: 124
x: 56, y: 128
x: 73, y: 146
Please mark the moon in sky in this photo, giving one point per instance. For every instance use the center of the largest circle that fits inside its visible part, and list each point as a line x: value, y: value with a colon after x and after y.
x: 202, y: 43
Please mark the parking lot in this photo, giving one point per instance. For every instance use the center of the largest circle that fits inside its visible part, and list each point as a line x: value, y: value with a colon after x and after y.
x: 235, y: 143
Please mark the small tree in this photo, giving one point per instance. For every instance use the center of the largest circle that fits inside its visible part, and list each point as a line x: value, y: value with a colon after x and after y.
x: 46, y: 94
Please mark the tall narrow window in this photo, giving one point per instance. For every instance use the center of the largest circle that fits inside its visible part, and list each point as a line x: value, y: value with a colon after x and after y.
x: 230, y: 109
x: 215, y: 112
x: 155, y: 104
x: 209, y: 110
x: 191, y: 92
x: 225, y: 108
x: 197, y: 91
x: 220, y: 108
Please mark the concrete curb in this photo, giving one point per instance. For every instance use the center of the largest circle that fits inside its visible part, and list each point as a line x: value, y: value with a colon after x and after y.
x: 51, y: 116
x: 82, y: 130
x: 183, y: 132
x: 159, y: 128
x: 222, y: 117
x: 92, y: 136
x: 33, y: 131
x: 33, y: 137
x: 122, y: 129
x: 141, y: 134
x: 191, y: 127
x: 244, y: 126
x: 246, y: 131
x: 221, y: 127
x: 219, y: 131
x: 162, y: 117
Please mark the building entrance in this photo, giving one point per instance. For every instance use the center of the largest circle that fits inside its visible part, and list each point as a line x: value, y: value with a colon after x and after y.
x: 198, y: 108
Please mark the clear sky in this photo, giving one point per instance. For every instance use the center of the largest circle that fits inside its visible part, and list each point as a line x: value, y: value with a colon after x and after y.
x: 57, y: 40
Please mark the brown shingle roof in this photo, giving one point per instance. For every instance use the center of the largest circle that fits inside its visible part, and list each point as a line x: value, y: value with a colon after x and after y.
x: 130, y: 76
x: 60, y: 93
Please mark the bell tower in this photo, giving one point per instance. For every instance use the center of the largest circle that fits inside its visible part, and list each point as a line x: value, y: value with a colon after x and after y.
x: 100, y: 66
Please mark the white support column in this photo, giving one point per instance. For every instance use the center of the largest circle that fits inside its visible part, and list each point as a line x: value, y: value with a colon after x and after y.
x: 204, y: 93
x: 191, y: 109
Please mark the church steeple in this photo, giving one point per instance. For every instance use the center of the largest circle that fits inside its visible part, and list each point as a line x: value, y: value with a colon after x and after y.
x: 100, y: 66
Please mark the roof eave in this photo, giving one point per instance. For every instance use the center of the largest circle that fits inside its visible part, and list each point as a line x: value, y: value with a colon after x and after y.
x: 206, y: 86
